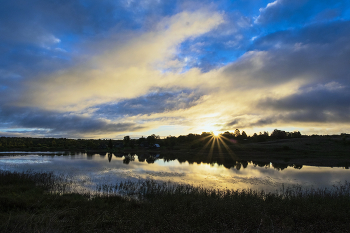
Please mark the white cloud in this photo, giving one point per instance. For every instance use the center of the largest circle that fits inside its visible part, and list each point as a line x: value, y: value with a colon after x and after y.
x: 126, y: 70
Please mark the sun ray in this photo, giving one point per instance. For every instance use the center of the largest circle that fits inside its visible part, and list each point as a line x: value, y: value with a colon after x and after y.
x: 227, y: 139
x: 221, y: 156
x: 211, y: 149
x: 217, y: 141
x: 201, y: 139
x: 231, y: 153
x: 206, y: 145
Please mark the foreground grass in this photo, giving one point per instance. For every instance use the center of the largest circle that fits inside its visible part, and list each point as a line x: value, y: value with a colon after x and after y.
x: 41, y: 202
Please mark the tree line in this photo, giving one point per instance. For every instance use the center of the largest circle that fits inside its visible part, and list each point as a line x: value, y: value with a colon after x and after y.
x: 169, y: 141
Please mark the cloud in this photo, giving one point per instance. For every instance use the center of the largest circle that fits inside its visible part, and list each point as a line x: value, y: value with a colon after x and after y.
x: 60, y: 124
x: 126, y: 70
x: 277, y: 85
x: 155, y: 102
x: 302, y: 80
x: 299, y: 57
x: 324, y: 103
x: 36, y: 21
x: 289, y: 13
x: 115, y: 67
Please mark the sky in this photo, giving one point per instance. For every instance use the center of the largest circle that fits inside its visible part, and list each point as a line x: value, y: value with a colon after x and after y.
x: 108, y: 68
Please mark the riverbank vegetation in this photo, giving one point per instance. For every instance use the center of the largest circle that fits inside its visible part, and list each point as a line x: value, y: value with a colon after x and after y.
x: 41, y: 202
x: 280, y: 148
x: 190, y: 141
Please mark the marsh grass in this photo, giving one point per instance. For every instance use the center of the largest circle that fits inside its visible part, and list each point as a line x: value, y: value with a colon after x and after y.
x: 43, y: 202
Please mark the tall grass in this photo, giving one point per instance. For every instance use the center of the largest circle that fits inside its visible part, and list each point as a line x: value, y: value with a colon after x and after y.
x: 43, y: 202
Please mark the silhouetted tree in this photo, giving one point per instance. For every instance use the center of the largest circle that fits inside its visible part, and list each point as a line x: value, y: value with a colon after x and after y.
x: 227, y: 134
x: 244, y: 135
x: 278, y: 134
x: 152, y: 139
x: 126, y: 141
x: 237, y: 133
x: 296, y: 134
x: 109, y: 157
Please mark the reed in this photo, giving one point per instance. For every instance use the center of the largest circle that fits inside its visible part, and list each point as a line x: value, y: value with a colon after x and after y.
x: 44, y: 202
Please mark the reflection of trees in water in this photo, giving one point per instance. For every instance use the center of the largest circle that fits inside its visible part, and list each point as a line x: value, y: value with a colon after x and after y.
x: 280, y: 166
x: 227, y: 162
x: 128, y: 158
x: 118, y: 155
x: 298, y: 166
x: 89, y: 155
x: 277, y: 166
x: 141, y: 158
x: 151, y: 159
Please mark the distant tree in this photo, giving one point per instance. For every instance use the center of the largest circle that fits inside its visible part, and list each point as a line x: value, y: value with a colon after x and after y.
x: 141, y: 140
x: 205, y: 134
x: 244, y: 135
x: 53, y: 143
x: 132, y: 143
x: 237, y: 133
x: 182, y: 138
x: 261, y: 137
x: 170, y: 141
x: 296, y: 134
x: 227, y: 134
x: 152, y: 139
x: 278, y: 134
x: 110, y: 144
x: 191, y: 137
x: 126, y: 141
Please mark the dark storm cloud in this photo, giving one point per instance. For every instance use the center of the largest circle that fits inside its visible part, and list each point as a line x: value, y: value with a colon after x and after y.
x: 239, y: 123
x: 315, y: 34
x: 320, y: 55
x: 234, y: 122
x: 317, y: 55
x: 294, y: 55
x: 156, y: 102
x: 58, y: 123
x: 290, y: 13
x: 322, y: 104
x: 39, y: 34
x: 34, y: 21
x: 318, y: 99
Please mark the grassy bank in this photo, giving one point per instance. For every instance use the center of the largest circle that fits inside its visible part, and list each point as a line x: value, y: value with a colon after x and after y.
x: 27, y: 205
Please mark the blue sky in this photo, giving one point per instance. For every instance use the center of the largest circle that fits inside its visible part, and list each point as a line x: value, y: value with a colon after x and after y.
x: 105, y: 69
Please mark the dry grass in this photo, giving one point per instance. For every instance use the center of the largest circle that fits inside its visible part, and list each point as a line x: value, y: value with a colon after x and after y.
x: 42, y: 202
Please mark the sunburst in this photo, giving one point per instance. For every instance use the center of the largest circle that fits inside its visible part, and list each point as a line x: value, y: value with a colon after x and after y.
x: 217, y: 139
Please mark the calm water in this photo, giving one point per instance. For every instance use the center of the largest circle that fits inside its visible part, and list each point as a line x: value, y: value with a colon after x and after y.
x: 89, y: 170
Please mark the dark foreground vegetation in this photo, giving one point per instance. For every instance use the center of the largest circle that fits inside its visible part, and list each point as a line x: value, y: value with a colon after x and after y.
x: 42, y: 202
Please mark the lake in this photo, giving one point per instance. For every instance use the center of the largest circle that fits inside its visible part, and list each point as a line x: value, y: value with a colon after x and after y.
x: 88, y: 170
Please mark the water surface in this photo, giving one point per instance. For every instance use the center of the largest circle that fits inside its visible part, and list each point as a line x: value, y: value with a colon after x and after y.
x: 89, y: 170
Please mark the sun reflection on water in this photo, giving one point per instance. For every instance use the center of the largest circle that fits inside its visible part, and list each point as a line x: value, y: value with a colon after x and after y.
x: 97, y: 169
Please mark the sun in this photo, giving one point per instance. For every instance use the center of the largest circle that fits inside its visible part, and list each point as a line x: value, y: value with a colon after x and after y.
x: 215, y: 133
